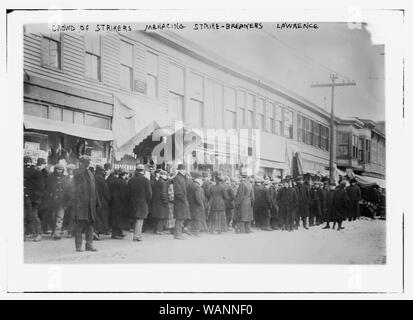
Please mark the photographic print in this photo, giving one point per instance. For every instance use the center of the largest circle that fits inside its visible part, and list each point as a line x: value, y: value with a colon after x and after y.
x: 204, y: 142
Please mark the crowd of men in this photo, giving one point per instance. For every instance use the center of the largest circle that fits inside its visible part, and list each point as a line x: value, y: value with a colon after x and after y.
x: 76, y: 200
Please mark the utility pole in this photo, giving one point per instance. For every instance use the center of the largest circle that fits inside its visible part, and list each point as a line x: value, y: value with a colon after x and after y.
x: 332, y: 85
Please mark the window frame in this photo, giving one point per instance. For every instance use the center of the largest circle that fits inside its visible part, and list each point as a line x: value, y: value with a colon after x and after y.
x: 131, y: 68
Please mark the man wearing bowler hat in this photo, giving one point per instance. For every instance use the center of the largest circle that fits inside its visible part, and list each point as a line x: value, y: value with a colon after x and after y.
x: 140, y: 195
x: 85, y: 203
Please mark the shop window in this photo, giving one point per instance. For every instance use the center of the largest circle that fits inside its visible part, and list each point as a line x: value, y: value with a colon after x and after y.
x: 55, y: 113
x: 51, y: 51
x: 126, y: 65
x: 92, y: 56
x: 152, y: 74
x: 97, y: 122
x: 37, y: 110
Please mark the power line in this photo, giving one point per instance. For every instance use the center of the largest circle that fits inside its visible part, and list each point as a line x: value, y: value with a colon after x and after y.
x: 308, y: 58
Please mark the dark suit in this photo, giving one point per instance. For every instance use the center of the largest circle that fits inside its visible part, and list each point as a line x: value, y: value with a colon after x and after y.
x: 181, y: 205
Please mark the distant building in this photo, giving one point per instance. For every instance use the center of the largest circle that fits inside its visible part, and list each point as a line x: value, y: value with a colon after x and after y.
x: 73, y: 84
x: 361, y: 146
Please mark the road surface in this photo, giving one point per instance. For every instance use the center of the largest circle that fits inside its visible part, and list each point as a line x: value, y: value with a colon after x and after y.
x: 361, y: 242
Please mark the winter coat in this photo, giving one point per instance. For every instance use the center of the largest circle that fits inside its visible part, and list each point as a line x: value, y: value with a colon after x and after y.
x: 57, y: 192
x: 196, y: 200
x: 102, y: 223
x: 159, y: 206
x: 34, y: 184
x: 229, y: 202
x: 181, y: 205
x: 140, y: 196
x: 243, y: 202
x: 218, y: 197
x: 303, y: 193
x: 86, y: 198
x: 119, y: 203
x: 340, y: 204
x: 354, y: 195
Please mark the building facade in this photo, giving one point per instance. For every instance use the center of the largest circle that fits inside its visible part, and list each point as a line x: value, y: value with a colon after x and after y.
x: 73, y: 84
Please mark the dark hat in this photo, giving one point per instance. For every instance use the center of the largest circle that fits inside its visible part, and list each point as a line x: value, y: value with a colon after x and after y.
x: 84, y: 160
x: 181, y: 167
x: 107, y: 166
x: 99, y: 169
x: 353, y: 180
x: 121, y: 172
x: 41, y: 161
x: 196, y: 175
x: 27, y: 159
x: 288, y: 177
x: 299, y: 178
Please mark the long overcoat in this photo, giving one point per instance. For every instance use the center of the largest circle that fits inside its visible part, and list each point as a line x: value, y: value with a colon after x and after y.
x: 243, y: 202
x: 102, y: 223
x: 340, y: 204
x: 119, y: 203
x: 159, y: 207
x: 303, y: 193
x: 196, y: 200
x: 218, y: 197
x: 181, y: 205
x: 140, y: 196
x: 354, y: 195
x: 86, y: 199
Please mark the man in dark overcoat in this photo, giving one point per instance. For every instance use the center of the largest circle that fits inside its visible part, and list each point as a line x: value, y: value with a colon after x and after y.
x: 102, y: 217
x: 196, y: 200
x: 140, y: 196
x: 283, y: 200
x: 354, y: 194
x: 33, y: 193
x: 229, y: 202
x: 317, y: 204
x: 328, y: 200
x: 86, y: 201
x: 181, y: 205
x: 340, y: 205
x: 244, y: 200
x: 119, y: 203
x: 303, y: 193
x: 159, y: 206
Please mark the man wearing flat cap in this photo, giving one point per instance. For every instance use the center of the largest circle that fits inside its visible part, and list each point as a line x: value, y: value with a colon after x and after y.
x: 86, y: 201
x: 140, y: 195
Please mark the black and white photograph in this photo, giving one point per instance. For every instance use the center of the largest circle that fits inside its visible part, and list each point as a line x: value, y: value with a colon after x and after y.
x: 151, y: 142
x: 204, y: 142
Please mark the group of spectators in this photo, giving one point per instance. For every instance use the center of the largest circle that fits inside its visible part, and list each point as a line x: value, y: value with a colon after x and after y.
x: 73, y: 200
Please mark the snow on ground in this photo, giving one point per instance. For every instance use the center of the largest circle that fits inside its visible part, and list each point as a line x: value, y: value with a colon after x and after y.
x: 361, y: 242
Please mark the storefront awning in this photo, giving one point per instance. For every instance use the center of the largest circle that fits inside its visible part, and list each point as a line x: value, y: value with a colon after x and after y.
x: 371, y: 181
x: 77, y: 130
x: 133, y: 120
